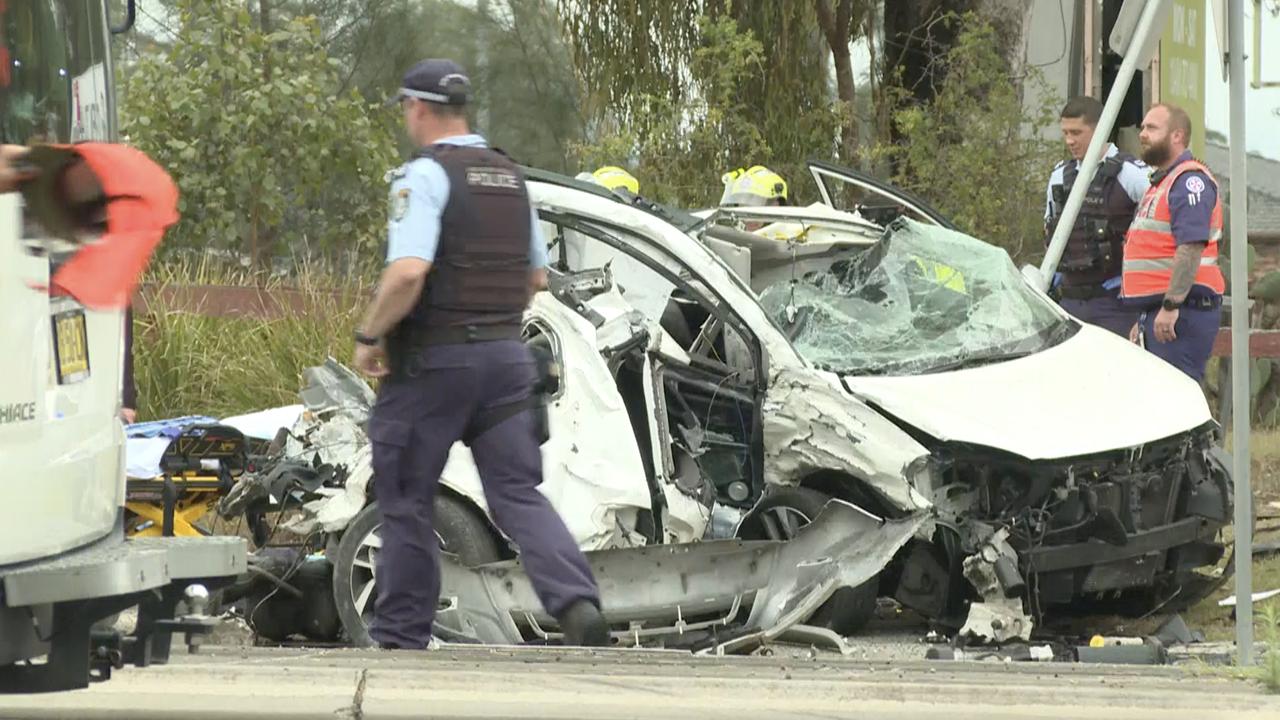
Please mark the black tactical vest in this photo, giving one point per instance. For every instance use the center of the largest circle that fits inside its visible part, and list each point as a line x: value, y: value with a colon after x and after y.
x: 1095, y: 248
x: 478, y: 286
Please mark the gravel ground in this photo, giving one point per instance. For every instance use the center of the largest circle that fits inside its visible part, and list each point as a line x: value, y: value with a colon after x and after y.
x: 894, y: 636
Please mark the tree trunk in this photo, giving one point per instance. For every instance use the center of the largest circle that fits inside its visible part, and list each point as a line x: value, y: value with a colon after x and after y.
x: 836, y: 24
x: 253, y: 237
x: 916, y: 38
x: 1012, y: 20
x: 264, y: 20
x: 262, y: 237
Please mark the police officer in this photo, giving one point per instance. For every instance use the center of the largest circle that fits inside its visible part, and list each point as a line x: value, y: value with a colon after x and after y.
x: 1089, y: 274
x: 464, y: 255
x: 1171, y: 272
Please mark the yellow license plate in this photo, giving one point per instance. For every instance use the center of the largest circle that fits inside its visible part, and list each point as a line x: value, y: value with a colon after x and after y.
x: 71, y: 346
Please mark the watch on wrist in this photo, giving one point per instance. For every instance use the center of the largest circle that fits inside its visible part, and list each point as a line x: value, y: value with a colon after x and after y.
x: 1168, y: 304
x: 365, y: 339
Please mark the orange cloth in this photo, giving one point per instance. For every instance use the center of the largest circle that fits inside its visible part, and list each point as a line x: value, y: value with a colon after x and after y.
x: 142, y: 202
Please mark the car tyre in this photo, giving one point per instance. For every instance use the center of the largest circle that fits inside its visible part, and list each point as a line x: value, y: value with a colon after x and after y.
x: 461, y: 530
x: 777, y: 516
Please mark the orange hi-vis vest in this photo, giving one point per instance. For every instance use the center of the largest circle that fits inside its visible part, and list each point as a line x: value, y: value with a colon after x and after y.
x: 1149, y: 246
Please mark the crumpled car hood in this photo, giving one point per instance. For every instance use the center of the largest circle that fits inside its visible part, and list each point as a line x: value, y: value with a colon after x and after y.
x: 1093, y: 393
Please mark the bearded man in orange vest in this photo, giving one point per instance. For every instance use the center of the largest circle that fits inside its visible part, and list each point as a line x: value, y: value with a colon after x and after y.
x: 1171, y: 251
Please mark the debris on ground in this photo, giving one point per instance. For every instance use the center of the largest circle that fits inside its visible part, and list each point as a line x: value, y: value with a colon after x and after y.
x: 1175, y: 631
x: 1260, y: 595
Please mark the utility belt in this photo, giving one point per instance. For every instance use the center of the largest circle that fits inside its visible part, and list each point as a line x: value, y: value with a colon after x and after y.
x: 466, y: 334
x: 408, y: 365
x: 1194, y: 302
x: 405, y: 351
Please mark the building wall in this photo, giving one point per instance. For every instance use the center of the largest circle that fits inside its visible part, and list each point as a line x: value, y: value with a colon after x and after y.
x: 1049, y: 43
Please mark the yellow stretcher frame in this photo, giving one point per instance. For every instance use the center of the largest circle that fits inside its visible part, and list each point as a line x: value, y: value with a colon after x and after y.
x: 193, y: 497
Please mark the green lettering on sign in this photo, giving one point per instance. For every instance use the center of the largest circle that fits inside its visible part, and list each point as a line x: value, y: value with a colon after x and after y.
x: 1182, y: 58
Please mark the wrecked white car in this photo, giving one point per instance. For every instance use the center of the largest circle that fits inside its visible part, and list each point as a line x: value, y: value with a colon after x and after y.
x: 993, y: 459
x: 1069, y: 470
x: 690, y: 450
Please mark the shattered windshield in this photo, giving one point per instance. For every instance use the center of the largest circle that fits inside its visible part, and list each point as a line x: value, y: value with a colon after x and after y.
x: 922, y: 299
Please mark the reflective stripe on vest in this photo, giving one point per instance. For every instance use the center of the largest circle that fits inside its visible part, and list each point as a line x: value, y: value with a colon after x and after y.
x: 1160, y: 264
x: 1150, y: 246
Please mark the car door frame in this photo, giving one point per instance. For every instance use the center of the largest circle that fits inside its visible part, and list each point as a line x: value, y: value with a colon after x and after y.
x: 640, y: 250
x: 921, y: 210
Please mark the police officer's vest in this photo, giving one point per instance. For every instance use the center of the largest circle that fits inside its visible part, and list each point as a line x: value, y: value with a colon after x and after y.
x: 478, y: 286
x: 1150, y: 246
x: 1095, y: 248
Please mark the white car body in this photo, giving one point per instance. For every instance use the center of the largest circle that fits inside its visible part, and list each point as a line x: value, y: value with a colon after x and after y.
x: 1082, y: 417
x: 593, y: 471
x: 1091, y: 403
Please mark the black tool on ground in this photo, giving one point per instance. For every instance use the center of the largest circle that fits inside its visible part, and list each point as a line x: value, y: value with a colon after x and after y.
x: 1175, y: 631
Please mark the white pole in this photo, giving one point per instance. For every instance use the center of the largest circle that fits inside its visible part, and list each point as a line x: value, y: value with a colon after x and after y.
x: 1093, y: 156
x: 1240, y: 340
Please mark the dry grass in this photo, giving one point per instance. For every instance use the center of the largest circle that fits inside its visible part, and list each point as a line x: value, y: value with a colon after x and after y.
x: 190, y: 364
x: 1264, y: 450
x: 1217, y: 622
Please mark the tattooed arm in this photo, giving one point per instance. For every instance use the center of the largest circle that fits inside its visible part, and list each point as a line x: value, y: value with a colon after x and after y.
x: 1186, y: 261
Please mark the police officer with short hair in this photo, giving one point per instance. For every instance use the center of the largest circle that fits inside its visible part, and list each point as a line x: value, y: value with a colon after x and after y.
x: 1091, y: 263
x: 1171, y: 273
x: 464, y: 255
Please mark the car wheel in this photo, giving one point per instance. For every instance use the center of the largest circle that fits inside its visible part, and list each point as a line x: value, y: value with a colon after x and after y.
x: 778, y: 517
x: 460, y: 530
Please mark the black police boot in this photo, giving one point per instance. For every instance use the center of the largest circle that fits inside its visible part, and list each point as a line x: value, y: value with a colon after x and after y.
x: 584, y: 625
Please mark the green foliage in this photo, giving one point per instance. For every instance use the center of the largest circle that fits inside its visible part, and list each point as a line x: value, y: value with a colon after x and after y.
x: 1266, y: 668
x: 187, y: 363
x: 680, y: 145
x: 971, y: 151
x: 269, y: 157
x: 627, y: 51
x: 677, y: 145
x: 1267, y: 289
x: 526, y: 98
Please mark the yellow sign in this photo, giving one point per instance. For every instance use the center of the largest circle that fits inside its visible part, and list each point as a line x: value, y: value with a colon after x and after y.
x: 1182, y: 58
x: 71, y: 345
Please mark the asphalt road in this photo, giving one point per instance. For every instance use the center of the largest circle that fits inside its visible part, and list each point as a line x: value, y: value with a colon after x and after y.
x: 617, y: 684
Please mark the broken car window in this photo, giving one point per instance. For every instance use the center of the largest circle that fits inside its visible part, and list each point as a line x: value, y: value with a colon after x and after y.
x: 923, y: 299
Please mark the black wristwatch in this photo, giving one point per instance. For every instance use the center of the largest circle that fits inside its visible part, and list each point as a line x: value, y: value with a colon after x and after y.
x: 1168, y: 304
x: 365, y: 339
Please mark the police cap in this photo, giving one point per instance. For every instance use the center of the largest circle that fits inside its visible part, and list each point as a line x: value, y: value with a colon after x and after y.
x: 435, y: 80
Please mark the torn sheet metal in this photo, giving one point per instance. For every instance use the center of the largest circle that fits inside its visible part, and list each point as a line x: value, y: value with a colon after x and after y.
x: 655, y: 588
x: 334, y: 387
x: 811, y: 426
x: 599, y: 494
x: 993, y: 572
x: 335, y: 512
x: 998, y: 621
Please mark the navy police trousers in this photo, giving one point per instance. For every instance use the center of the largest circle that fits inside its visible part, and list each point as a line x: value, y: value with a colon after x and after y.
x: 415, y: 423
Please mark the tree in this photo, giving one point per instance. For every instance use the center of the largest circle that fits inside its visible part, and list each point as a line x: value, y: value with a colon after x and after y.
x: 969, y: 148
x: 268, y: 163
x: 629, y: 52
x: 675, y: 144
x: 526, y: 97
x: 837, y: 24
